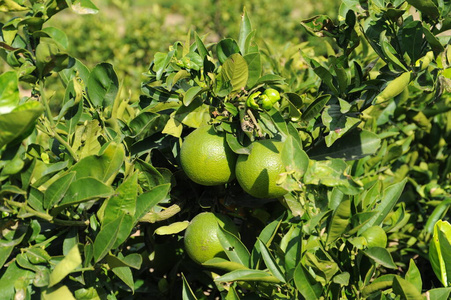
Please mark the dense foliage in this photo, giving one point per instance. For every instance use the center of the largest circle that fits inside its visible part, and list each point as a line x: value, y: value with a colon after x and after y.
x: 95, y: 203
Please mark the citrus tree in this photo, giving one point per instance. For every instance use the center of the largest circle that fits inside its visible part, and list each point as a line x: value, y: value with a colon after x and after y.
x: 241, y: 172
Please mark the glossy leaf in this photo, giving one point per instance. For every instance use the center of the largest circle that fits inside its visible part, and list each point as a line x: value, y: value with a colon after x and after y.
x: 440, y: 252
x: 270, y: 262
x: 413, y: 276
x: 390, y: 197
x: 405, y: 289
x: 309, y: 288
x: 339, y: 221
x: 85, y: 189
x: 248, y: 275
x: 69, y: 263
x: 381, y: 256
x: 19, y: 122
x: 60, y: 292
x: 123, y: 202
x: 235, y: 69
x: 233, y: 247
x: 223, y: 264
x: 56, y: 191
x: 103, y: 85
x: 125, y: 274
x: 174, y: 228
x: 146, y: 201
x: 9, y: 94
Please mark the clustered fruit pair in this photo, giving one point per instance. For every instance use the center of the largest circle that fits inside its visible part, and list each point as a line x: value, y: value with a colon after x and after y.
x: 207, y: 159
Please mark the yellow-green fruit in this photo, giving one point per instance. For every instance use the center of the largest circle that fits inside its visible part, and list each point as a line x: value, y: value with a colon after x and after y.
x: 206, y: 158
x: 375, y: 237
x: 201, y: 239
x: 258, y: 172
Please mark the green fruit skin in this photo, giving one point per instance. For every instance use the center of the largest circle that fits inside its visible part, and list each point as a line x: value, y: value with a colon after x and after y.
x: 375, y: 237
x: 266, y: 102
x: 251, y: 102
x: 201, y: 241
x: 264, y: 156
x: 214, y: 162
x: 273, y: 95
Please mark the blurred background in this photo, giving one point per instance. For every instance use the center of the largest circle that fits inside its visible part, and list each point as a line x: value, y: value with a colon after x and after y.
x: 127, y: 33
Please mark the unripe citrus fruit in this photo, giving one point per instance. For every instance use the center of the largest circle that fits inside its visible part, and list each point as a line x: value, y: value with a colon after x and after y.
x: 206, y: 158
x: 201, y: 239
x: 375, y: 237
x: 257, y: 172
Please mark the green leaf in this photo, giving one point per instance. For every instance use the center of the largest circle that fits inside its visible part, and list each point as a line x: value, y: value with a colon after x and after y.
x: 69, y: 263
x: 11, y: 5
x: 58, y: 36
x: 56, y: 191
x: 148, y: 200
x: 236, y: 71
x: 103, y: 85
x: 117, y: 230
x: 426, y: 7
x: 133, y: 260
x: 309, y: 288
x: 125, y: 274
x: 5, y: 252
x: 223, y: 264
x: 123, y: 201
x: 440, y: 252
x: 270, y: 262
x: 248, y: 275
x: 354, y: 145
x: 254, y: 64
x: 381, y: 256
x: 294, y: 157
x: 266, y: 236
x: 19, y: 122
x: 203, y: 52
x: 84, y: 189
x: 412, y: 39
x: 233, y: 247
x: 413, y: 276
x: 232, y: 294
x: 438, y: 293
x: 332, y: 173
x: 190, y: 94
x: 390, y: 197
x: 174, y: 228
x: 339, y: 221
x: 58, y: 293
x: 314, y: 109
x: 83, y: 7
x: 145, y: 124
x: 104, y: 166
x: 9, y: 94
x: 226, y: 48
x: 405, y: 289
x: 245, y: 30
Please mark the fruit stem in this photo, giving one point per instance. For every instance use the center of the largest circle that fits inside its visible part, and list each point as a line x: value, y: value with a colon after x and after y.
x: 254, y: 120
x: 153, y: 217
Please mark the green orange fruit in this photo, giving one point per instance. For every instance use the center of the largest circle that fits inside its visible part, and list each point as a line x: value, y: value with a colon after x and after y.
x: 201, y: 239
x: 206, y: 157
x: 258, y: 172
x: 375, y: 237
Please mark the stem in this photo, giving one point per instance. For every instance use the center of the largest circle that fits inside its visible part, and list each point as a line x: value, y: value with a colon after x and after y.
x: 153, y: 217
x: 254, y: 120
x: 53, y: 132
x: 45, y: 216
